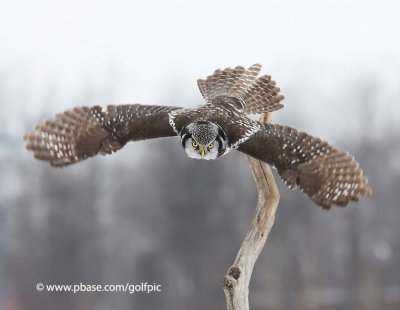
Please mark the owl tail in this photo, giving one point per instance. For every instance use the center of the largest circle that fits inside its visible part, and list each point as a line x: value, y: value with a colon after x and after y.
x: 71, y: 137
x: 250, y: 94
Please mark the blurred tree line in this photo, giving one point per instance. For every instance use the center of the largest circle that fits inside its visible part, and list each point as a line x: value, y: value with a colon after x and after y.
x: 150, y: 214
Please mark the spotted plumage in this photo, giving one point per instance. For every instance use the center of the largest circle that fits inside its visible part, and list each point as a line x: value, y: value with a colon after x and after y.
x: 326, y: 175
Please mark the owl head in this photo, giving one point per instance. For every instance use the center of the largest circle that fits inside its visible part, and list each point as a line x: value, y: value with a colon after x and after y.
x: 203, y: 140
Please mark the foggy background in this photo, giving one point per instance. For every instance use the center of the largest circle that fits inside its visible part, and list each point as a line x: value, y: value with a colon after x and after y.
x: 150, y: 214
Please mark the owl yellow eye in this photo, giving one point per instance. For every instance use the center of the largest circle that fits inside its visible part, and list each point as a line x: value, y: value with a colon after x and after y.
x: 210, y: 146
x: 195, y: 145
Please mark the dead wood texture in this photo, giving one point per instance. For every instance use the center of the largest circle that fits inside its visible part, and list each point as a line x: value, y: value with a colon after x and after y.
x: 236, y: 281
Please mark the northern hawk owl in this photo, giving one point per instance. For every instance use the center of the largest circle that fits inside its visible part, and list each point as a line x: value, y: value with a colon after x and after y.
x: 328, y: 176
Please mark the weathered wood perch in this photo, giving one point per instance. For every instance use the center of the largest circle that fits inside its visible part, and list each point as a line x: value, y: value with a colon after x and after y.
x: 236, y: 281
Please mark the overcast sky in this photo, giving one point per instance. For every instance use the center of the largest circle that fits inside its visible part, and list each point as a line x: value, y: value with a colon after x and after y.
x: 152, y: 52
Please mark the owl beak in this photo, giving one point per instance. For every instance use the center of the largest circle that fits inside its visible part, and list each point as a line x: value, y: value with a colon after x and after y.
x: 202, y: 153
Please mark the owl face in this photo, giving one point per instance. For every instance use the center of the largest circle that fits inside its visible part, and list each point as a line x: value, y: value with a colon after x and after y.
x: 203, y: 140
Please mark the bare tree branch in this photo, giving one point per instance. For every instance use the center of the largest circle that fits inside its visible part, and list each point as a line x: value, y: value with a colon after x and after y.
x: 236, y: 281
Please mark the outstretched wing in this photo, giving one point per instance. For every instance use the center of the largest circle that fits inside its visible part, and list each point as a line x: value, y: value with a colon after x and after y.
x: 85, y: 132
x: 242, y: 89
x: 326, y: 175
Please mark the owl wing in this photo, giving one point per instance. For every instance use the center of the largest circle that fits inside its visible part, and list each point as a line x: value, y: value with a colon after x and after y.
x: 85, y: 132
x: 242, y: 89
x: 326, y: 175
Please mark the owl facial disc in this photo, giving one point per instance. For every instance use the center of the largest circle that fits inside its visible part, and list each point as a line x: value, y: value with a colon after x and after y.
x: 203, y: 140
